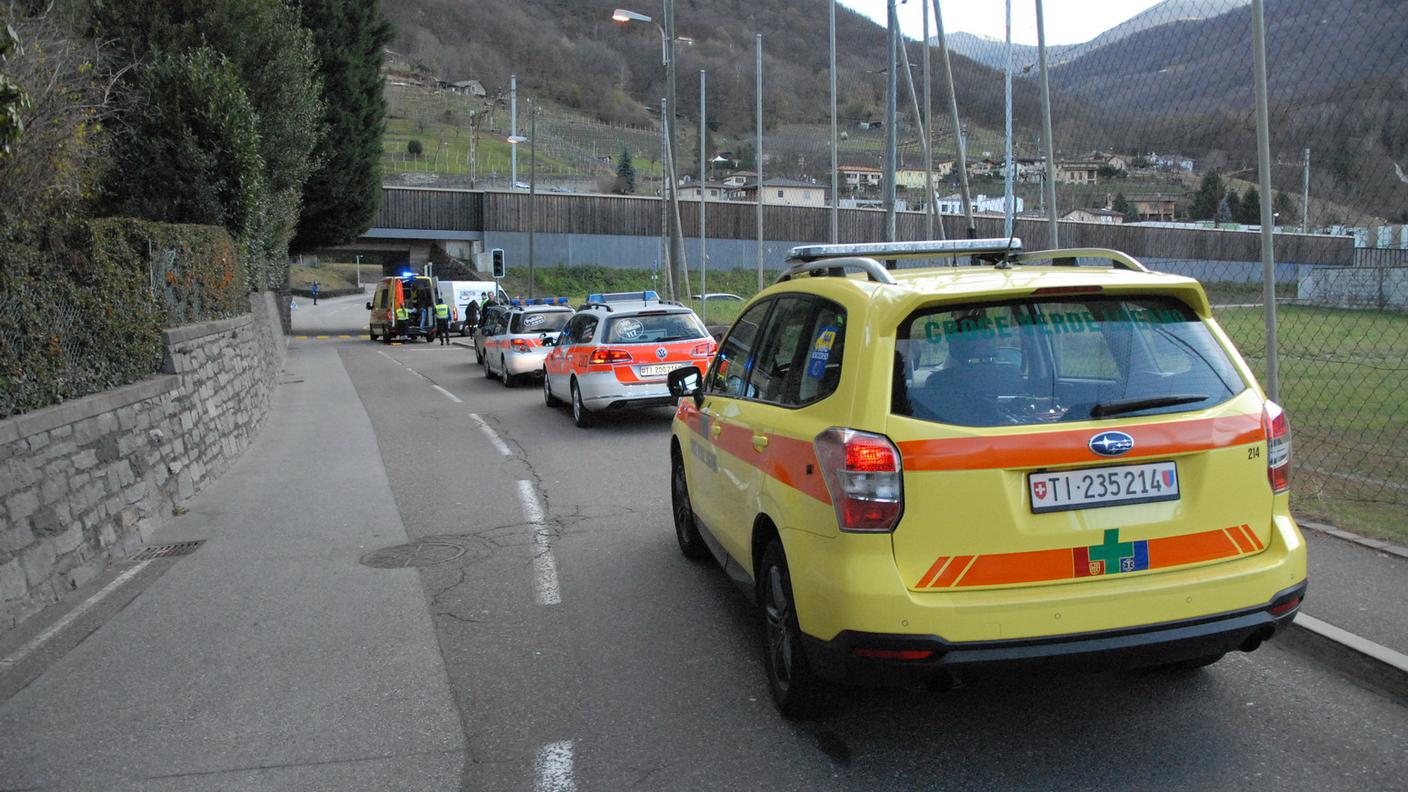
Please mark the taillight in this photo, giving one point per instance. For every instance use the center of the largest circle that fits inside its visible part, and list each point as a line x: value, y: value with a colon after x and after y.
x: 863, y: 474
x: 604, y: 357
x: 1278, y: 446
x: 522, y: 345
x: 702, y: 350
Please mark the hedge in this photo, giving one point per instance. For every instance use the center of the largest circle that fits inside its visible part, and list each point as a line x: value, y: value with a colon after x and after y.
x: 84, y: 312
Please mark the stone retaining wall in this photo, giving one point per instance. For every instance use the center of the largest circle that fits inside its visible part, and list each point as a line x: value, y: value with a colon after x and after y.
x: 85, y: 482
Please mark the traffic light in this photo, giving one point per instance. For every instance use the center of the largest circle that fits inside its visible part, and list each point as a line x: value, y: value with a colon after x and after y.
x: 498, y: 256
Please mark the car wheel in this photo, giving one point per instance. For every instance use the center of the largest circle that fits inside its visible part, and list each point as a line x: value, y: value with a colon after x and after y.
x: 478, y: 353
x: 581, y: 416
x: 686, y: 531
x: 796, y: 689
x: 386, y: 336
x: 371, y: 335
x: 506, y: 378
x: 488, y: 373
x: 549, y: 399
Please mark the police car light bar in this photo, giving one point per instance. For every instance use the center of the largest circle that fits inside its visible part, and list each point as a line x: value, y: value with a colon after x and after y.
x: 635, y: 296
x: 904, y: 250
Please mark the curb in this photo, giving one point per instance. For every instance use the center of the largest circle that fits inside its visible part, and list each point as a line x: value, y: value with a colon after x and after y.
x: 1359, y: 658
x: 1373, y: 544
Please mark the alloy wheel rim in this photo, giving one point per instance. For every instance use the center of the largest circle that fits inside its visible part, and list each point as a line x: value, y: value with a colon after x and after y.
x: 680, y: 492
x: 776, y: 609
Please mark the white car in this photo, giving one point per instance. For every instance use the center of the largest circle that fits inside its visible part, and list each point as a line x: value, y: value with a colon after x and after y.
x: 617, y: 351
x: 512, y: 346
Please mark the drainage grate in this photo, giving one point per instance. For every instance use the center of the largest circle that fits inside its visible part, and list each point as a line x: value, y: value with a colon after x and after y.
x: 165, y: 551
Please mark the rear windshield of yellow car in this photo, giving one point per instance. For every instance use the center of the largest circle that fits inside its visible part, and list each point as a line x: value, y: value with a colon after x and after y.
x: 1044, y: 361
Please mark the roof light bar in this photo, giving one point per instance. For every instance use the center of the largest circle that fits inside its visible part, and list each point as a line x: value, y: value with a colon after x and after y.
x: 900, y: 250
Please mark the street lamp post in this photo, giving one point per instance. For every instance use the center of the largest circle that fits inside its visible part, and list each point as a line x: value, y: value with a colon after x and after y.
x: 532, y: 141
x: 667, y: 47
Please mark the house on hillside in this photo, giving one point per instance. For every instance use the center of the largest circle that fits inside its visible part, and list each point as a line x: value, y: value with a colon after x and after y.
x: 984, y: 167
x: 861, y: 177
x: 1105, y: 216
x: 982, y: 204
x: 1171, y: 162
x: 1078, y: 172
x: 913, y: 178
x: 466, y: 87
x: 1026, y: 169
x: 783, y: 192
x: 713, y: 191
x: 1154, y: 207
x: 739, y: 178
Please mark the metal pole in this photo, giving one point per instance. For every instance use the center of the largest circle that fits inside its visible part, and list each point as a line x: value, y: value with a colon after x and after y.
x: 532, y: 191
x: 835, y: 140
x: 1007, y: 202
x: 359, y: 272
x: 703, y: 198
x: 1048, y: 185
x: 513, y: 130
x: 930, y: 198
x: 759, y: 156
x: 1263, y: 156
x: 664, y: 205
x: 891, y: 89
x: 1305, y: 197
x: 959, y: 143
x: 923, y: 143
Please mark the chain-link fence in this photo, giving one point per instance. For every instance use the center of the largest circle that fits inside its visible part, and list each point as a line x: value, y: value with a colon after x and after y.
x: 1154, y: 125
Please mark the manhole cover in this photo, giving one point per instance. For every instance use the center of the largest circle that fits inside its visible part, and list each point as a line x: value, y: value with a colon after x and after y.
x: 416, y: 554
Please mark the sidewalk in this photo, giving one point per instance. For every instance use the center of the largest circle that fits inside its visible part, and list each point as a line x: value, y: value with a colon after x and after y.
x: 269, y: 658
x: 1358, y: 589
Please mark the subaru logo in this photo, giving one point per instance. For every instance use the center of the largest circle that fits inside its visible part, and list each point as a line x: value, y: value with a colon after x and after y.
x: 1111, y: 444
x: 660, y: 353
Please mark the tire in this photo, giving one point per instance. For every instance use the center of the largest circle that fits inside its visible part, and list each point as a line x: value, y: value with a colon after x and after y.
x: 549, y: 399
x: 796, y: 689
x: 371, y: 335
x: 506, y: 378
x: 581, y: 416
x: 386, y: 336
x: 488, y: 374
x: 478, y: 354
x: 686, y: 530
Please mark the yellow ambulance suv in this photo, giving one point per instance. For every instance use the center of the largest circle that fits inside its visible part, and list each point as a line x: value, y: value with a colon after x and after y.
x: 995, y: 459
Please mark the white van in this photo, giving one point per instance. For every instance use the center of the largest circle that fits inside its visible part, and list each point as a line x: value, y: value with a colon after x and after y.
x: 457, y: 295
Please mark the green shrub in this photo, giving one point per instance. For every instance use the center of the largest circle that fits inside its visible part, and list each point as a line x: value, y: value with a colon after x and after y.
x: 84, y: 312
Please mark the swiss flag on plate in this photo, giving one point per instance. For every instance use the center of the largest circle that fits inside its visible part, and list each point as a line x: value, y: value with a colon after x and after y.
x: 1039, y: 487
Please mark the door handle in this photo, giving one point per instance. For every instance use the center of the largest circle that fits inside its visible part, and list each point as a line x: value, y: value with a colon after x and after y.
x: 760, y: 442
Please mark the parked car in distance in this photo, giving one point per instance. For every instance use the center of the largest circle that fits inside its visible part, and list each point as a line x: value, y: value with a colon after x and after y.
x: 513, y: 346
x: 1053, y: 458
x: 719, y: 297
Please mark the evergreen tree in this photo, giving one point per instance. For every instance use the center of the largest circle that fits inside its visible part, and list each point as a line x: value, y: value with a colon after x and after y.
x: 1122, y: 205
x: 341, y: 196
x: 1224, y: 211
x: 1286, y: 209
x: 1234, y: 207
x: 625, y: 183
x: 1251, y: 208
x: 1208, y: 197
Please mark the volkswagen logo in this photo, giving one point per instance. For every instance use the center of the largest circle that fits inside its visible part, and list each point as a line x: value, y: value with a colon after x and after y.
x: 660, y: 353
x: 1111, y: 444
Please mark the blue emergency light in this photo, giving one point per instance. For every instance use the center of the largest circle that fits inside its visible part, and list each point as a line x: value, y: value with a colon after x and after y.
x: 561, y: 300
x: 408, y: 274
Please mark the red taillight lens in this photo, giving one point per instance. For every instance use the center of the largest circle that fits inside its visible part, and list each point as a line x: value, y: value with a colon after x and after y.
x: 603, y: 357
x: 702, y: 350
x: 522, y: 345
x: 892, y: 654
x: 863, y: 474
x: 1282, y: 608
x: 1278, y: 447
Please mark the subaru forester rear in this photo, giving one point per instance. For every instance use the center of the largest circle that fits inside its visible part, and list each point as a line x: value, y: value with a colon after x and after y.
x: 1052, y: 457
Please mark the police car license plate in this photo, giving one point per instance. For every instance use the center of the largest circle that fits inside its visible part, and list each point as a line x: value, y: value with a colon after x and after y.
x: 659, y: 369
x: 1094, y: 488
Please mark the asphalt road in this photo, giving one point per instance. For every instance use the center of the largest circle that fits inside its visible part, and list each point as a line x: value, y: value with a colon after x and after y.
x: 584, y: 652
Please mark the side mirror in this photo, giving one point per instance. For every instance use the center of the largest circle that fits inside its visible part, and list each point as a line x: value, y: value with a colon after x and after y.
x: 547, y: 340
x: 687, y: 382
x: 369, y: 305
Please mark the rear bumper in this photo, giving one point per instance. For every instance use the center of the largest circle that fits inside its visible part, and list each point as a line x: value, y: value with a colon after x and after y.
x: 937, y: 660
x: 519, y: 363
x: 602, y: 391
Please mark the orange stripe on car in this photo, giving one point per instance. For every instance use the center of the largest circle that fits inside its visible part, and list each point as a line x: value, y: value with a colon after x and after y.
x: 933, y: 570
x: 1024, y: 567
x: 1247, y: 529
x: 957, y: 567
x: 1066, y: 447
x: 1240, y: 539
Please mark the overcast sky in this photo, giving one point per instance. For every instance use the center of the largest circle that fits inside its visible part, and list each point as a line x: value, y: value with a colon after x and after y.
x: 1067, y: 21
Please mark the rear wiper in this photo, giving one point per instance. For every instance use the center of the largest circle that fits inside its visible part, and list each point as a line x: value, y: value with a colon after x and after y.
x: 1134, y: 405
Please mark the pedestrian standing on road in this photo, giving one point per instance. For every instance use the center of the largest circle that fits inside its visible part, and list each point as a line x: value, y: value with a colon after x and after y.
x: 315, y: 292
x: 442, y: 321
x: 471, y: 315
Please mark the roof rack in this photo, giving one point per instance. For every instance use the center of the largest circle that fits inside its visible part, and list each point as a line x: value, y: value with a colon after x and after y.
x: 1066, y: 257
x: 870, y: 267
x: 993, y: 248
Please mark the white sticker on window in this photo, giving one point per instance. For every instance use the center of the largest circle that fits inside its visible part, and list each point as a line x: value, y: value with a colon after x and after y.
x: 629, y: 328
x: 533, y: 320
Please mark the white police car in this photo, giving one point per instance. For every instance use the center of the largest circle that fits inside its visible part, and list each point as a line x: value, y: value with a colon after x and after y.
x: 512, y: 346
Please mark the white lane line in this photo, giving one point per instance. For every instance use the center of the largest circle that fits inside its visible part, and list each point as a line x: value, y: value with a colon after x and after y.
x: 555, y: 768
x: 545, y: 584
x: 452, y: 397
x: 69, y: 618
x: 498, y: 443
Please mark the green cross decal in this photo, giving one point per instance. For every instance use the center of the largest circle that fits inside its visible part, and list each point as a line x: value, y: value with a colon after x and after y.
x: 1112, y: 550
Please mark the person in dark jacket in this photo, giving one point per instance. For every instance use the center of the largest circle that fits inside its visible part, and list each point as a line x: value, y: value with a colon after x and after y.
x: 471, y: 315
